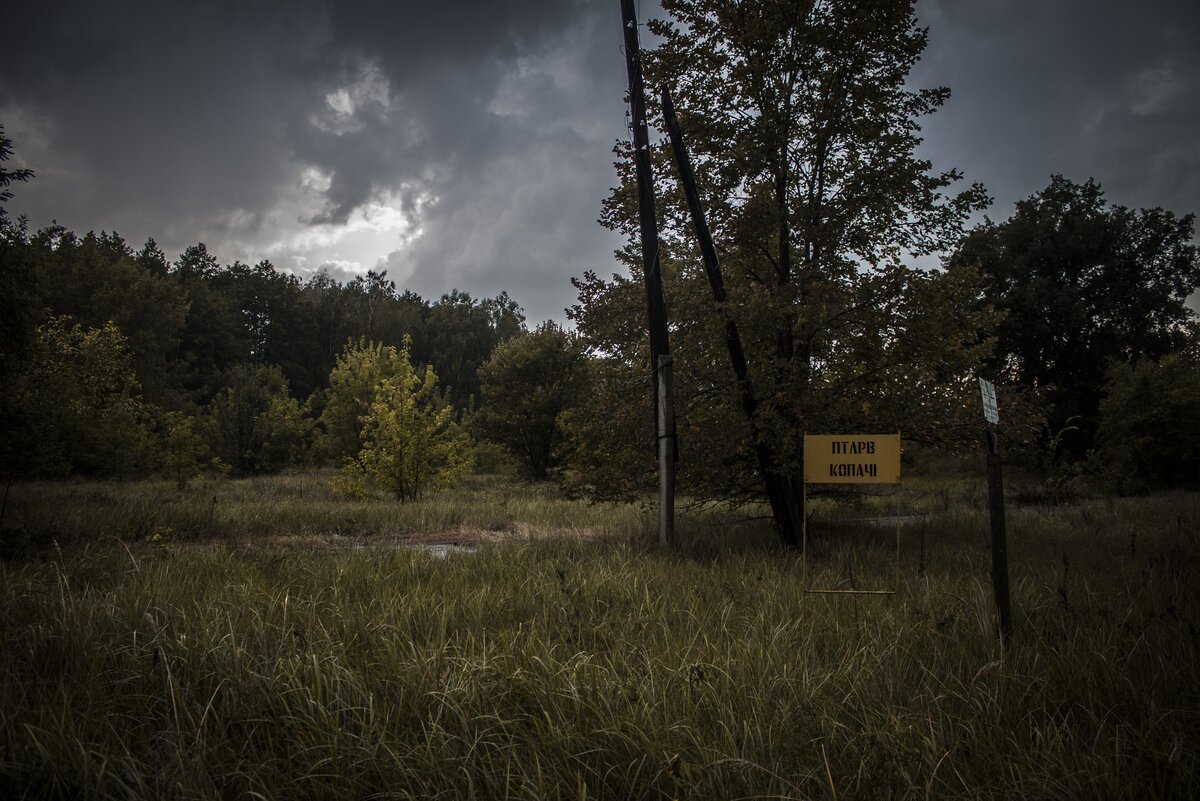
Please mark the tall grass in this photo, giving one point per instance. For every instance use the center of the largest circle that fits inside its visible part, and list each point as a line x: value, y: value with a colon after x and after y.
x: 299, y: 508
x: 600, y: 666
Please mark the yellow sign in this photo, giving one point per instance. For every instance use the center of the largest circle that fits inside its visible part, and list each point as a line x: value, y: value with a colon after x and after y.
x: 851, y: 458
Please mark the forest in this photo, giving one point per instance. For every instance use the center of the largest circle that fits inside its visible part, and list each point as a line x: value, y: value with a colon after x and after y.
x: 120, y: 363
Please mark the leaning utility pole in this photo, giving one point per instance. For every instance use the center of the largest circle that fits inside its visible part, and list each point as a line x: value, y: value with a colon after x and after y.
x: 660, y: 347
x: 784, y: 508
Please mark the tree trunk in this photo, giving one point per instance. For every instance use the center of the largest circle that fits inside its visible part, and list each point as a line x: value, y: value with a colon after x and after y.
x: 780, y: 489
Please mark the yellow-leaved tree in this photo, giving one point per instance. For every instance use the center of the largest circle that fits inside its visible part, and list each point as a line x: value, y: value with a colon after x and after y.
x: 411, y: 441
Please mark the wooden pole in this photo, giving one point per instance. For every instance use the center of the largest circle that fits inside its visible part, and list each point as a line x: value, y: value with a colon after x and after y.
x: 999, y: 535
x: 666, y: 451
x: 778, y: 486
x: 662, y: 380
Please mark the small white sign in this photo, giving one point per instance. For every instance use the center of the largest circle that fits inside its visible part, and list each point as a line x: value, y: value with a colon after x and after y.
x: 987, y: 391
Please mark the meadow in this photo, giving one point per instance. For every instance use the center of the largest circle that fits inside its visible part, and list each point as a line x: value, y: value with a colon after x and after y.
x: 260, y: 638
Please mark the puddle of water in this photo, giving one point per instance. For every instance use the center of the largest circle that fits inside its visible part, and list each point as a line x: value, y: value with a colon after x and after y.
x: 882, y: 520
x: 439, y: 550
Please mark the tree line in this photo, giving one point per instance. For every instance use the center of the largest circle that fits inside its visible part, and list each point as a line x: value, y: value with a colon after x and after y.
x: 804, y: 130
x: 117, y: 361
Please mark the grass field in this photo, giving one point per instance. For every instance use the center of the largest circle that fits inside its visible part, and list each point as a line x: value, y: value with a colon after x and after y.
x: 260, y: 639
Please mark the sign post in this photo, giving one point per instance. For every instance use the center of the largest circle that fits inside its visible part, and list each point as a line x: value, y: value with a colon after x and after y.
x: 995, y: 477
x: 850, y: 459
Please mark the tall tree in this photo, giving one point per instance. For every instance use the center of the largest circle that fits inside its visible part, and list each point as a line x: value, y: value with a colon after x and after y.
x: 19, y: 310
x: 77, y: 407
x: 528, y: 382
x: 151, y: 259
x: 95, y: 279
x: 19, y: 303
x: 273, y: 318
x: 326, y: 305
x: 803, y: 130
x: 212, y: 339
x: 255, y: 424
x: 461, y: 334
x: 1083, y: 285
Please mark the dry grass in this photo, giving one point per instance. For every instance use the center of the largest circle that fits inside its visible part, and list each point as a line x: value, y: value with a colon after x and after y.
x: 142, y: 666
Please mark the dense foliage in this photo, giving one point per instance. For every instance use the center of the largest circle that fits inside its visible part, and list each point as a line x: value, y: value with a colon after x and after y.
x: 1082, y: 285
x: 118, y: 362
x: 76, y: 406
x: 803, y: 128
x: 1149, y: 433
x: 527, y: 385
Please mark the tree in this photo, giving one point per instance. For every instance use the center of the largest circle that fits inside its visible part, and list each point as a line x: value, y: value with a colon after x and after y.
x: 325, y: 303
x: 212, y: 340
x: 379, y: 313
x: 18, y: 290
x: 1082, y: 285
x: 1149, y: 430
x: 360, y: 370
x: 151, y: 259
x: 462, y: 332
x: 411, y: 440
x: 95, y: 279
x: 272, y: 318
x: 17, y: 277
x: 528, y: 382
x: 76, y: 405
x: 185, y: 454
x: 256, y: 426
x: 803, y: 130
x: 19, y: 305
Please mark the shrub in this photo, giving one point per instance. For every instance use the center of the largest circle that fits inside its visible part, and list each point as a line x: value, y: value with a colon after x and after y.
x: 1150, y: 425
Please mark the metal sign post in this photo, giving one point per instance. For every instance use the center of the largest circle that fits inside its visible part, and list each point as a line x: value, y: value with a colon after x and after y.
x: 995, y: 478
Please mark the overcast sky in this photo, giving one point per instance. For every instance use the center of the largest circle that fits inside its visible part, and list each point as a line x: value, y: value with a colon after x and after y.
x: 468, y: 144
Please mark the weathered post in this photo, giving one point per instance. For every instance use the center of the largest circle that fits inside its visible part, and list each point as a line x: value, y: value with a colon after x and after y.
x: 664, y: 419
x: 995, y: 478
x: 999, y: 535
x: 666, y: 448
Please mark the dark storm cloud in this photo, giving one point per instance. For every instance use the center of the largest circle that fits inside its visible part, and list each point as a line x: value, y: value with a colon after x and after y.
x: 526, y: 214
x: 1109, y: 90
x: 165, y: 115
x: 490, y: 123
x: 272, y: 127
x: 443, y: 63
x: 510, y: 123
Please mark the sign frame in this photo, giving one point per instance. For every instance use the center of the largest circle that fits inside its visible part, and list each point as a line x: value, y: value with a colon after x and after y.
x: 887, y: 446
x: 852, y: 458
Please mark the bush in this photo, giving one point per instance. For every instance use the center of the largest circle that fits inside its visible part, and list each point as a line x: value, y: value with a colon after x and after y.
x: 410, y: 439
x: 1149, y: 432
x: 527, y: 384
x: 255, y: 425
